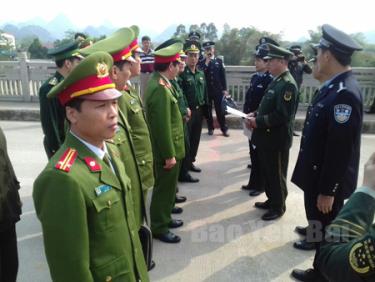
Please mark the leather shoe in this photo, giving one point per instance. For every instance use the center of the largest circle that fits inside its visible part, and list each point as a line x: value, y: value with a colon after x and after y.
x: 307, y: 275
x: 210, y: 132
x: 370, y: 112
x: 304, y: 245
x: 247, y: 187
x: 301, y: 230
x: 255, y: 193
x: 262, y: 205
x: 152, y: 265
x: 272, y: 214
x: 188, y: 178
x: 177, y: 210
x: 168, y: 237
x: 175, y: 223
x: 180, y: 199
x: 194, y: 168
x: 225, y: 134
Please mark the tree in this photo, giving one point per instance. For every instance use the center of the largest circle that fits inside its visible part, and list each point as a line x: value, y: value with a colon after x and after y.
x: 211, y: 32
x: 180, y: 31
x: 36, y: 50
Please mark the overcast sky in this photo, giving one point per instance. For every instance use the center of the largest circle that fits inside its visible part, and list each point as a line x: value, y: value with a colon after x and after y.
x: 292, y: 18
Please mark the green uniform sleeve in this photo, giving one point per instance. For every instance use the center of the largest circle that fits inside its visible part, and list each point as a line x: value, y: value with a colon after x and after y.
x: 284, y: 110
x: 160, y: 122
x: 348, y: 253
x: 61, y: 208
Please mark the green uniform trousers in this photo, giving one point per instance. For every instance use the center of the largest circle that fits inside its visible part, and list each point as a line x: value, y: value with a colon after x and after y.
x: 163, y: 197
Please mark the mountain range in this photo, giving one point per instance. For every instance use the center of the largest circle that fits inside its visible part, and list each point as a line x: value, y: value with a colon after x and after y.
x: 55, y: 29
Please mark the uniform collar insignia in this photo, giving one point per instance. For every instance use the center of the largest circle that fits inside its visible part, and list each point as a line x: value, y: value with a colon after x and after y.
x: 164, y: 83
x: 93, y: 165
x: 67, y: 159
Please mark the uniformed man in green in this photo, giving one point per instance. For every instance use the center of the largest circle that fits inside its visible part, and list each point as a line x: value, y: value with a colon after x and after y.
x: 167, y: 137
x: 132, y: 107
x: 193, y: 85
x: 118, y: 45
x: 83, y: 196
x: 52, y: 115
x: 273, y: 131
x: 348, y: 254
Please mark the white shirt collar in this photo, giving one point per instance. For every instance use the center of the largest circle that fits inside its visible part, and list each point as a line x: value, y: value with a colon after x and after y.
x: 97, y: 151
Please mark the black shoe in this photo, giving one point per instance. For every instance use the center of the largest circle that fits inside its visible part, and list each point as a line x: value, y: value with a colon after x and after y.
x: 188, y: 178
x: 152, y: 265
x: 210, y: 132
x: 249, y: 166
x: 225, y: 134
x: 272, y: 214
x: 255, y: 193
x: 262, y: 205
x: 370, y: 112
x: 295, y: 133
x: 247, y: 187
x: 194, y: 168
x: 168, y: 237
x: 180, y: 199
x: 307, y: 275
x: 175, y: 223
x: 177, y: 210
x: 301, y: 230
x: 304, y: 245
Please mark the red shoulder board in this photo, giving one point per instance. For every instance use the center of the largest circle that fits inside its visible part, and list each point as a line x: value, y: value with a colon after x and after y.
x: 92, y: 164
x: 67, y: 159
x: 126, y: 87
x: 164, y: 83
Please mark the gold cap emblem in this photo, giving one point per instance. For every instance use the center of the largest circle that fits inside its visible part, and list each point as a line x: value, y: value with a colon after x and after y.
x: 102, y: 70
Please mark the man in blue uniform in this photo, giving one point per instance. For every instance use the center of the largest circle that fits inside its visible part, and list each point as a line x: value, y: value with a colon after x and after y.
x: 258, y: 85
x: 327, y: 165
x: 216, y: 86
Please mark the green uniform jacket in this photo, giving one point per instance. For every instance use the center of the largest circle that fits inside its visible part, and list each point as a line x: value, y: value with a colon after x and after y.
x: 52, y: 116
x: 87, y: 217
x: 131, y: 106
x: 275, y: 117
x: 349, y: 251
x: 194, y: 87
x: 124, y: 142
x: 177, y: 93
x: 163, y: 114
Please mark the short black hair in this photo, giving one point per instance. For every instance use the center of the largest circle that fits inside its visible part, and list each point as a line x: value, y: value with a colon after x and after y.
x: 80, y: 34
x: 120, y: 64
x: 146, y: 38
x: 60, y: 63
x: 164, y: 66
x: 75, y: 104
x: 343, y: 59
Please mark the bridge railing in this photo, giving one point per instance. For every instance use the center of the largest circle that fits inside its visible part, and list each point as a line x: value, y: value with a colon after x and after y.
x: 21, y: 80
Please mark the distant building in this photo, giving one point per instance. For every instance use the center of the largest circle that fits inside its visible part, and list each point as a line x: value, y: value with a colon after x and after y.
x: 7, y: 39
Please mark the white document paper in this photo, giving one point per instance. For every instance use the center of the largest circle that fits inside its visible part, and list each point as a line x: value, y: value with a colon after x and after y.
x: 236, y: 112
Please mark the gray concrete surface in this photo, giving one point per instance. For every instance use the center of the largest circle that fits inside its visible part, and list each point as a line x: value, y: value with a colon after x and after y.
x: 223, y: 238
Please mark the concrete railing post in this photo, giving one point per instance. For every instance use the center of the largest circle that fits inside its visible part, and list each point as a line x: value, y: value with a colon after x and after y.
x: 24, y: 71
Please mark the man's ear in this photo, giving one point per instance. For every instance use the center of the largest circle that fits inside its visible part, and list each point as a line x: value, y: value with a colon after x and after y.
x: 114, y: 73
x: 71, y: 114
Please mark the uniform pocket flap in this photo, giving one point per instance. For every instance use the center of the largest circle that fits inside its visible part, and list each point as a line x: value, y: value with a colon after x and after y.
x: 105, y: 201
x: 115, y: 270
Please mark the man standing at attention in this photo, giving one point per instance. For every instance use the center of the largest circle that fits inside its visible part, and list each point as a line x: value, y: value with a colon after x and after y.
x: 83, y: 196
x: 167, y: 136
x: 327, y: 164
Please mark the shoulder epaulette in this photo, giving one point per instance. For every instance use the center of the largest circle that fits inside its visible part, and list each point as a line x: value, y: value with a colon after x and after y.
x: 67, y: 159
x: 341, y: 87
x: 164, y: 83
x: 53, y: 81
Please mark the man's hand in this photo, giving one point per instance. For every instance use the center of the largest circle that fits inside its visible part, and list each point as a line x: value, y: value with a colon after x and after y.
x: 252, y: 122
x: 225, y: 93
x: 325, y: 203
x: 169, y: 163
x: 369, y: 173
x: 188, y: 115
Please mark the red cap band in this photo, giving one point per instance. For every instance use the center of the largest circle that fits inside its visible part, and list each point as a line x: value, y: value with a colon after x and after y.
x: 163, y: 60
x: 122, y: 55
x: 134, y: 45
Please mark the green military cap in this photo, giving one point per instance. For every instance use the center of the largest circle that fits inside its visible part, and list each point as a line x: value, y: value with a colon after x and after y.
x: 191, y: 48
x: 84, y: 43
x: 89, y: 80
x: 168, y: 43
x: 277, y: 52
x: 182, y: 54
x: 168, y: 54
x: 65, y: 51
x: 134, y: 46
x: 117, y: 44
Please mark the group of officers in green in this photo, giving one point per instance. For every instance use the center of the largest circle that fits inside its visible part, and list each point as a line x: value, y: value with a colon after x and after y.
x: 107, y: 148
